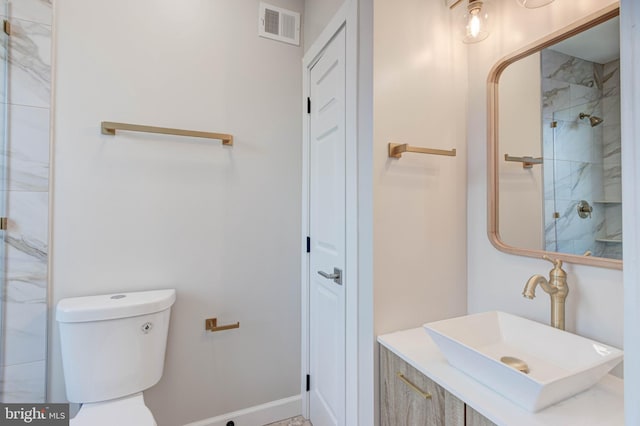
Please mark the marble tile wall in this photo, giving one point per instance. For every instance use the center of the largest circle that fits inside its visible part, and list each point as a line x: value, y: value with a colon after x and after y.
x: 575, y: 153
x: 611, y: 164
x: 26, y: 193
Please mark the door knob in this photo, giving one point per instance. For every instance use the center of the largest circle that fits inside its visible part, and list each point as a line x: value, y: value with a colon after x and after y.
x: 336, y: 276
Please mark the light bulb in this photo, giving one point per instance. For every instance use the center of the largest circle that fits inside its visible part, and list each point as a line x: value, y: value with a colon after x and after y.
x: 474, y: 25
x: 532, y: 4
x: 476, y: 21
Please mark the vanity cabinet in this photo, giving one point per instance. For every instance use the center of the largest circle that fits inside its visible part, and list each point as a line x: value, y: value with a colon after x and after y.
x: 404, y: 401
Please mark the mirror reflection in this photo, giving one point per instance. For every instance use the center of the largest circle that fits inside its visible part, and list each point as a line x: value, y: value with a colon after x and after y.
x: 559, y: 147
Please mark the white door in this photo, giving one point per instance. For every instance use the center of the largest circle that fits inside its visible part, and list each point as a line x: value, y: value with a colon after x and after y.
x: 327, y: 232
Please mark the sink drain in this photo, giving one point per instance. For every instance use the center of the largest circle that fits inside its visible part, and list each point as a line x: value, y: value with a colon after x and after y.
x: 516, y: 363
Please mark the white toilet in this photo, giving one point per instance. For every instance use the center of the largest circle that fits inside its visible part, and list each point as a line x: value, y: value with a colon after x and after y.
x: 113, y: 348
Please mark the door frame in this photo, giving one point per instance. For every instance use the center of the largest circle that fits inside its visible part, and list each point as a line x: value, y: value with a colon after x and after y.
x: 630, y: 110
x: 358, y: 378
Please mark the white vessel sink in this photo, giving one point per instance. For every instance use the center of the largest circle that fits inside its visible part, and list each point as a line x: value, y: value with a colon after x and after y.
x: 561, y: 364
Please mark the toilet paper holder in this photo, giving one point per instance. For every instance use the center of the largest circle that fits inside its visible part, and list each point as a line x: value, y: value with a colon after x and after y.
x: 211, y: 324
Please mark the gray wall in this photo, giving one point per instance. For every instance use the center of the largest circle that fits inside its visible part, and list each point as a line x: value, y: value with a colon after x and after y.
x: 219, y: 224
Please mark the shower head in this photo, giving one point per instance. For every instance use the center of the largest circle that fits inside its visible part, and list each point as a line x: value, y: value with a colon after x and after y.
x: 593, y: 120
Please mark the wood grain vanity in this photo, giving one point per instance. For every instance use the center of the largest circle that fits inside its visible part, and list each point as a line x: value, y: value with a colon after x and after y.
x: 403, y: 402
x: 412, y: 366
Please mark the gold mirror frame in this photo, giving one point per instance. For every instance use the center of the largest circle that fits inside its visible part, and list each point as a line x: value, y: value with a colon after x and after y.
x: 492, y: 139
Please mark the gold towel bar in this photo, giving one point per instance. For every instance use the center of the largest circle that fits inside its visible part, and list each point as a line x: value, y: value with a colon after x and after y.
x: 527, y: 162
x: 211, y: 324
x: 396, y: 150
x: 425, y: 395
x: 109, y: 128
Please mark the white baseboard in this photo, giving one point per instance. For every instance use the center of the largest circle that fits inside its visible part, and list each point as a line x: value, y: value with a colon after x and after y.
x: 257, y: 415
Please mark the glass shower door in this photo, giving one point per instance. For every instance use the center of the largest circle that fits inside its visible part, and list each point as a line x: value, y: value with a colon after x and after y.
x: 24, y: 197
x: 573, y: 178
x: 4, y: 87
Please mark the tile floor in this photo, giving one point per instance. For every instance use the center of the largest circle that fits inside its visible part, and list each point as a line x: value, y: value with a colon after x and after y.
x: 294, y: 421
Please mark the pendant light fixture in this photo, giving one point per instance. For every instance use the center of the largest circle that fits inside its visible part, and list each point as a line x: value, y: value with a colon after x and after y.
x: 532, y: 4
x: 476, y: 21
x: 477, y: 17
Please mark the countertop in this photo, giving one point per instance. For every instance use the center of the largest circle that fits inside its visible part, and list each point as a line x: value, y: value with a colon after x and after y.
x: 601, y: 405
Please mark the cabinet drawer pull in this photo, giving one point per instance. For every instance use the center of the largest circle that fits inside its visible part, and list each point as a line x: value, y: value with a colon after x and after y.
x: 425, y: 395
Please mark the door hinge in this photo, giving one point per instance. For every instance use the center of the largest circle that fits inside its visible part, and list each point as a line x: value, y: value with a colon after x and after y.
x: 308, y: 383
x: 308, y: 105
x: 308, y: 244
x: 3, y: 223
x: 6, y: 27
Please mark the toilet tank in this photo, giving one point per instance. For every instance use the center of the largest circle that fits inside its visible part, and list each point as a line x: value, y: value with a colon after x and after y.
x: 113, y: 345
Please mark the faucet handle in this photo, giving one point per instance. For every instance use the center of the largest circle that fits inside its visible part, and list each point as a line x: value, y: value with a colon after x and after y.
x: 556, y: 262
x: 557, y: 272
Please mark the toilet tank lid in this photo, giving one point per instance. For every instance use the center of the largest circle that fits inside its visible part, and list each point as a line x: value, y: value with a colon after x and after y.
x: 113, y: 306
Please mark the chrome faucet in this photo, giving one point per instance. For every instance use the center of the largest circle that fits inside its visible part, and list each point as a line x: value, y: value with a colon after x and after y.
x: 556, y: 287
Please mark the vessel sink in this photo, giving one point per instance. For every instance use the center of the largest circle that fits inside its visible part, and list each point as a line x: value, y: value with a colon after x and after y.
x: 560, y: 364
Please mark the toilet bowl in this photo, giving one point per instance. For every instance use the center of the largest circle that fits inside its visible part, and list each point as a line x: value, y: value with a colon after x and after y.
x: 113, y: 348
x: 129, y: 410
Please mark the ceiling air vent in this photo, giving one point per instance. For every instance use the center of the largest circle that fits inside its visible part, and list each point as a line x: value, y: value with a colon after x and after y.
x: 279, y: 24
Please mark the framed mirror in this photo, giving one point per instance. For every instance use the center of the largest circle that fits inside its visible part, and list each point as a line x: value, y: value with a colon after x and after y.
x: 554, y: 146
